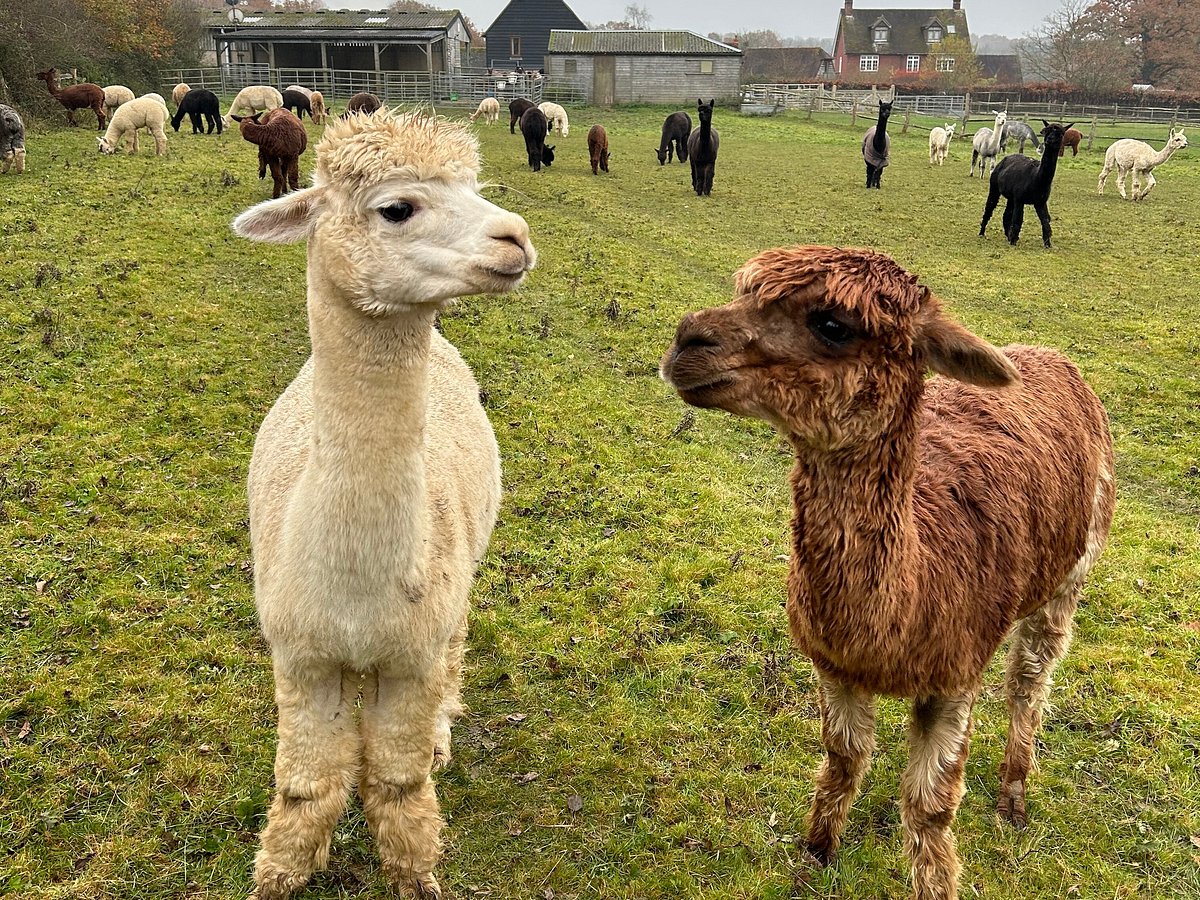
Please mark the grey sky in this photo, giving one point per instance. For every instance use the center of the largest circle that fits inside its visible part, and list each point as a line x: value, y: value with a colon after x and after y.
x: 800, y: 18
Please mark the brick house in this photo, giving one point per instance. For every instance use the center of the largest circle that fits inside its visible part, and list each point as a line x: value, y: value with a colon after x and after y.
x: 875, y: 44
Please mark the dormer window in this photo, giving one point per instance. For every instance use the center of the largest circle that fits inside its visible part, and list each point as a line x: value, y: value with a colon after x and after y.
x: 881, y: 34
x: 933, y: 34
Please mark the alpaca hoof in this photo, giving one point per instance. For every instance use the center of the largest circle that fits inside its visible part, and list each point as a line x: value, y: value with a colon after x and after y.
x: 426, y: 887
x: 1011, y: 804
x: 823, y: 856
x: 441, y: 757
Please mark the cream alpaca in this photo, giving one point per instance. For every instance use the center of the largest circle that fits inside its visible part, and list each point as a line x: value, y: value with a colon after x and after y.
x: 149, y: 112
x: 556, y: 116
x: 939, y: 144
x: 179, y: 92
x: 252, y: 99
x: 489, y: 108
x: 985, y: 146
x: 115, y: 95
x: 374, y: 486
x: 1139, y: 159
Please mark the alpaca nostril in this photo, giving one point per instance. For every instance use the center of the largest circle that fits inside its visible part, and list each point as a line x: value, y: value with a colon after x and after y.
x: 697, y: 341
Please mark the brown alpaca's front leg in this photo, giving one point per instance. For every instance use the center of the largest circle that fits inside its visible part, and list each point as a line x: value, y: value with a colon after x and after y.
x: 848, y: 733
x: 931, y: 790
x: 316, y: 766
x: 399, y: 719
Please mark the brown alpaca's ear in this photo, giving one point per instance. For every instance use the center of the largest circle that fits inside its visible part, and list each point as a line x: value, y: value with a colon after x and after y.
x: 951, y: 350
x: 282, y: 221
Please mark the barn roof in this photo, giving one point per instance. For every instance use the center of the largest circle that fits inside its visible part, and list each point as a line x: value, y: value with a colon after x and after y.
x: 907, y: 29
x: 330, y: 19
x: 647, y: 43
x: 784, y: 63
x: 1005, y: 68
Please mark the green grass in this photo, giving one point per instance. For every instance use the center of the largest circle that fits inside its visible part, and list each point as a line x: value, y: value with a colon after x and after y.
x: 631, y: 605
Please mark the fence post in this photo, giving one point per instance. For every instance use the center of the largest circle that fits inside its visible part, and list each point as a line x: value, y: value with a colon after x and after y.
x: 812, y: 104
x: 1175, y: 118
x: 966, y: 112
x: 1114, y: 121
x: 853, y: 113
x: 1092, y: 134
x: 907, y: 115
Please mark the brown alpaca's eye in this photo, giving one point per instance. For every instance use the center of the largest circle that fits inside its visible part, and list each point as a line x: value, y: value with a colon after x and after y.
x: 829, y: 329
x: 397, y: 212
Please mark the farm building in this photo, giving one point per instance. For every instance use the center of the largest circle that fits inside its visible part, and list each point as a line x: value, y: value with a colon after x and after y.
x: 367, y: 40
x: 519, y: 37
x: 786, y: 65
x: 645, y: 66
x: 887, y: 41
x: 1002, y: 68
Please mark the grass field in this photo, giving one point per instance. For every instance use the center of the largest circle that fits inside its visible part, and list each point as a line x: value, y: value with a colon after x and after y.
x: 628, y: 644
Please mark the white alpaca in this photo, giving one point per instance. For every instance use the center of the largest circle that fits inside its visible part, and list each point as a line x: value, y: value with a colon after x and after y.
x: 178, y: 93
x: 985, y: 146
x: 1140, y: 159
x: 374, y: 486
x: 939, y: 144
x: 489, y: 108
x: 149, y: 112
x: 253, y: 99
x: 555, y: 115
x: 319, y: 113
x: 115, y: 95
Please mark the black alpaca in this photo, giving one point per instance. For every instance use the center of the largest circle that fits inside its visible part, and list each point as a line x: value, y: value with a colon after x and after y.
x: 196, y: 103
x: 516, y: 109
x: 702, y: 150
x: 297, y: 102
x: 675, y: 131
x: 876, y: 145
x: 533, y: 126
x: 1024, y: 181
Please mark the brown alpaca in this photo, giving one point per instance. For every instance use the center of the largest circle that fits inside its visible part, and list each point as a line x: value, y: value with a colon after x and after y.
x: 598, y: 148
x: 281, y: 139
x: 77, y: 96
x: 930, y: 516
x: 1071, y: 139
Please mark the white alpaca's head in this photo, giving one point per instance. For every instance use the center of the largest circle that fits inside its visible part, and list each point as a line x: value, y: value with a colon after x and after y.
x: 104, y: 146
x: 1176, y: 140
x: 394, y: 218
x: 1001, y: 118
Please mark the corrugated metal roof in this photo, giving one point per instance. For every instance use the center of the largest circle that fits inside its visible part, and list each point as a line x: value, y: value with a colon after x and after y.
x: 648, y: 43
x: 339, y: 18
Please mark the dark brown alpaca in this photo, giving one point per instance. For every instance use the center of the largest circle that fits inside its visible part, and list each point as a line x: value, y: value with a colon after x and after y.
x: 77, y: 96
x: 1071, y: 139
x: 930, y: 516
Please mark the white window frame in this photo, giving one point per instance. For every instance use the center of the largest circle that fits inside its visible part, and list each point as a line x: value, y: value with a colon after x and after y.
x: 514, y: 47
x: 570, y: 67
x: 706, y: 67
x: 869, y: 63
x: 913, y: 64
x: 933, y: 35
x: 884, y: 31
x: 945, y: 64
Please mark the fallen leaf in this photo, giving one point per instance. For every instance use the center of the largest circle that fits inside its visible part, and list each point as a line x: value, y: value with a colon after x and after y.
x: 773, y: 819
x: 41, y: 585
x: 575, y: 803
x: 1195, y: 839
x: 1194, y: 626
x: 526, y: 778
x: 26, y: 731
x: 516, y: 718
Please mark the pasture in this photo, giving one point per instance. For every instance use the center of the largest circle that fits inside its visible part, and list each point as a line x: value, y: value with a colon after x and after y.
x: 638, y: 726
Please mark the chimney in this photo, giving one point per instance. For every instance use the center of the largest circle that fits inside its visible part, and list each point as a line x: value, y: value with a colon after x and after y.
x: 848, y: 9
x: 957, y: 5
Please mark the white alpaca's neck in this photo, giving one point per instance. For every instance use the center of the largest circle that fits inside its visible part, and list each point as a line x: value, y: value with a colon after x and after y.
x: 1162, y: 155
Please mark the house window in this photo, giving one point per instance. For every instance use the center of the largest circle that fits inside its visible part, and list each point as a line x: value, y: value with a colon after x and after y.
x: 570, y: 66
x: 706, y: 67
x: 913, y: 64
x: 881, y: 34
x: 945, y: 64
x: 934, y: 34
x: 868, y: 64
x: 514, y: 46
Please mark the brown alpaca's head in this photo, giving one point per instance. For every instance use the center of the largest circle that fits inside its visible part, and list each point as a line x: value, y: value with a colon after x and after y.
x: 829, y: 345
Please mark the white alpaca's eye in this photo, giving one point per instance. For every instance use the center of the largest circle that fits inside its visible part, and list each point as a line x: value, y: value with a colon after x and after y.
x: 397, y: 212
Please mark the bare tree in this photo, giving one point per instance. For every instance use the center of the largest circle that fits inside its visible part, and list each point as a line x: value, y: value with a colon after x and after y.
x: 1071, y: 45
x: 638, y: 16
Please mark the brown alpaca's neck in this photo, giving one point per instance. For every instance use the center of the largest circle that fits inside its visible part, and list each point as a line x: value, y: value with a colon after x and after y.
x: 852, y: 585
x: 52, y: 86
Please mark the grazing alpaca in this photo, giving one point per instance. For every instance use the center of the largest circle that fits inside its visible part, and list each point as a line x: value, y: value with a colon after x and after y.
x: 876, y: 145
x: 253, y: 99
x: 149, y: 112
x: 77, y: 96
x: 556, y: 117
x: 1019, y: 132
x: 374, y: 486
x: 179, y: 92
x: 1071, y: 139
x: 114, y: 96
x: 702, y: 146
x: 1023, y: 181
x: 1139, y: 158
x: 319, y: 112
x: 12, y: 141
x: 364, y: 102
x: 281, y: 139
x: 301, y: 88
x: 489, y: 108
x: 196, y: 104
x: 534, y: 127
x: 986, y: 145
x: 939, y: 144
x: 676, y: 129
x: 516, y: 109
x: 298, y: 102
x: 929, y: 516
x: 598, y: 148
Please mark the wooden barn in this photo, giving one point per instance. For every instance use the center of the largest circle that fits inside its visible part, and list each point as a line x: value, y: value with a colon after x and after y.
x: 519, y: 37
x: 645, y: 66
x: 430, y: 41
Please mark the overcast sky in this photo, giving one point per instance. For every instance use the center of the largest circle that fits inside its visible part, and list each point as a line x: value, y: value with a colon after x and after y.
x: 790, y: 18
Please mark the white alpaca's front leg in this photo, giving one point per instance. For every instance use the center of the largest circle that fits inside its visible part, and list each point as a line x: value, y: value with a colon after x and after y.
x: 1150, y: 182
x: 1121, y: 175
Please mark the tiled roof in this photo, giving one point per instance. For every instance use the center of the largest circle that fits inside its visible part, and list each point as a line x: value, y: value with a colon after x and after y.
x: 784, y: 63
x: 651, y: 43
x: 906, y: 29
x: 409, y: 20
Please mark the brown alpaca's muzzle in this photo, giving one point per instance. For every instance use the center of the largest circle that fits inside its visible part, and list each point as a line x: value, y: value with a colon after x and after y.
x: 696, y: 363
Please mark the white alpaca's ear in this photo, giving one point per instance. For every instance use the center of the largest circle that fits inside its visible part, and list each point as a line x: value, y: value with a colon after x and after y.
x: 951, y: 350
x: 281, y: 221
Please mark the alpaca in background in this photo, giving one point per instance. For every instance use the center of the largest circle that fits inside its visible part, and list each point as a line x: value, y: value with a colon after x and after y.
x: 876, y: 146
x: 985, y: 146
x: 1139, y: 159
x: 939, y: 144
x: 702, y: 147
x: 1023, y: 181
